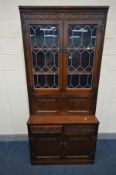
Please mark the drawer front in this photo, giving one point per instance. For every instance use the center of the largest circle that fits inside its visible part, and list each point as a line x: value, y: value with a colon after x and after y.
x: 80, y: 128
x: 46, y: 129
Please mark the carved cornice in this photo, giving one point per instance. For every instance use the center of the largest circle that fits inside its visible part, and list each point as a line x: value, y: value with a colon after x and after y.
x: 54, y: 16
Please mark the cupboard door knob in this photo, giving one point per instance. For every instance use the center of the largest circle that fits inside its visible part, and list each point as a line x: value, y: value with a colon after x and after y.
x: 61, y: 143
x: 64, y: 143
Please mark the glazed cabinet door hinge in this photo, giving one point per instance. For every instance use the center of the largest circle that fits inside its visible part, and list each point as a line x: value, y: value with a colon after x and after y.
x: 95, y: 85
x: 26, y: 29
x: 101, y: 28
x: 30, y: 87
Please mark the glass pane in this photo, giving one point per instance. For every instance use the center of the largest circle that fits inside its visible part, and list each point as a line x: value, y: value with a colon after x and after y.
x: 44, y: 36
x: 79, y: 81
x: 81, y: 50
x: 45, y: 81
x: 44, y: 46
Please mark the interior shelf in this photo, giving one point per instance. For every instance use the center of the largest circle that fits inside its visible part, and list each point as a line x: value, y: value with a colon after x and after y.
x: 44, y: 49
x: 66, y: 50
x: 79, y: 49
x: 79, y: 73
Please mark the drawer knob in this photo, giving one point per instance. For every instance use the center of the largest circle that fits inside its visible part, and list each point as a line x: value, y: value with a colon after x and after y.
x: 61, y: 143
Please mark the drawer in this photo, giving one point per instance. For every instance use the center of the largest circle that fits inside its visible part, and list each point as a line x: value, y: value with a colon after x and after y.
x: 46, y: 129
x: 80, y: 128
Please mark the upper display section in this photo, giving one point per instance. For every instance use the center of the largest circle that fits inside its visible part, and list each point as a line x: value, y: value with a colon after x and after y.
x: 63, y: 50
x: 44, y: 48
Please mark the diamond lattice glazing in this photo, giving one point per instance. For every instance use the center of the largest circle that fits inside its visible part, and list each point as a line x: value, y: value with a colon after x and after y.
x: 81, y: 50
x: 44, y: 46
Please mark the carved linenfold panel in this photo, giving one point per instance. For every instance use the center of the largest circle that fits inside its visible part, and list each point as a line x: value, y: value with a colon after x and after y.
x: 80, y: 105
x: 47, y: 104
x: 77, y: 104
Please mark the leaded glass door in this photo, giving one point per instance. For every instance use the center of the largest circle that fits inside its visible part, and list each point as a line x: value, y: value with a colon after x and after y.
x: 80, y: 47
x: 45, y: 43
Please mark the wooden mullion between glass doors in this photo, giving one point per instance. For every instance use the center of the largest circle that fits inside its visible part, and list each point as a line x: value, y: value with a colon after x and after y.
x: 60, y: 61
x: 64, y: 62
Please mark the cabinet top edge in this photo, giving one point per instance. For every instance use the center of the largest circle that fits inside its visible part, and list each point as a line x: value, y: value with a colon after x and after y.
x: 65, y: 8
x: 62, y: 119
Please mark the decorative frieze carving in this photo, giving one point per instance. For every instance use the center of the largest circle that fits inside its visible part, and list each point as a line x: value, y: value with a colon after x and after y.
x: 63, y: 16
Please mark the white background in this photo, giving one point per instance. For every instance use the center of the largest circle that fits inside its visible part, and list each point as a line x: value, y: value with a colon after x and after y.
x: 14, y: 110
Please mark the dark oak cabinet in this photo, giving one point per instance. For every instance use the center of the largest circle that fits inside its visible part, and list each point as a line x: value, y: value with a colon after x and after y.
x: 63, y: 50
x: 62, y: 139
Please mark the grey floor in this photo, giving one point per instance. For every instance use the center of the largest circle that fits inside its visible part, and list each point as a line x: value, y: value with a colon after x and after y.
x: 14, y: 160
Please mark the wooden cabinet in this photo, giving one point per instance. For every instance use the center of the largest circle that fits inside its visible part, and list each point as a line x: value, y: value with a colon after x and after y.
x: 63, y: 49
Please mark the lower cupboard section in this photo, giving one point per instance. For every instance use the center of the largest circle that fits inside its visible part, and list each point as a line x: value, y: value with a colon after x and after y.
x: 58, y: 149
x: 62, y: 140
